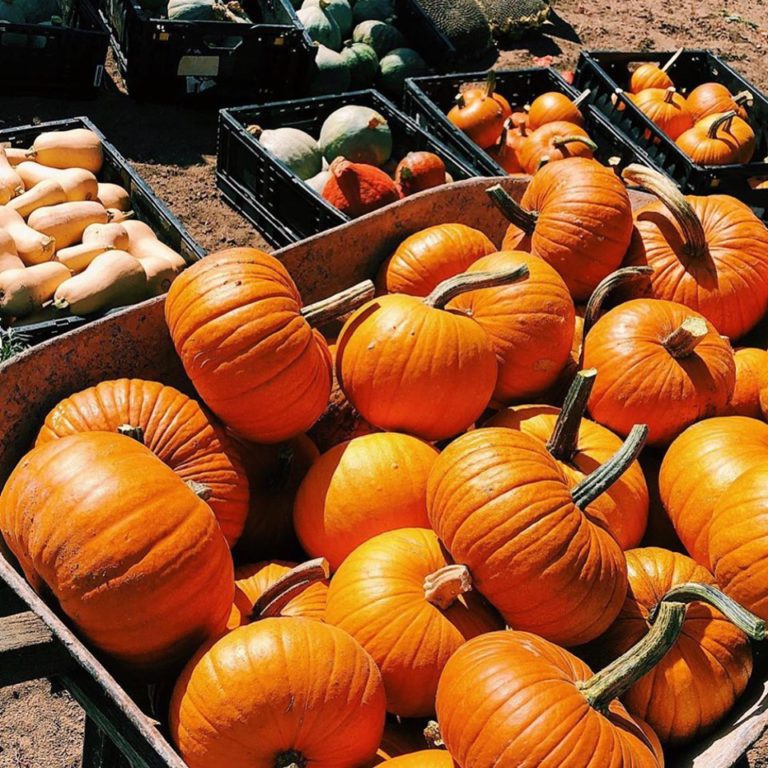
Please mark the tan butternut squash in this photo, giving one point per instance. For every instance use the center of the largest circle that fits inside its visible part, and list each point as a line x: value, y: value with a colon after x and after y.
x: 108, y: 234
x: 24, y: 291
x: 48, y: 192
x: 118, y: 216
x: 112, y: 279
x: 114, y: 196
x: 77, y: 257
x: 144, y: 243
x: 160, y: 274
x: 15, y: 155
x: 67, y: 222
x: 9, y: 258
x: 78, y: 183
x: 11, y: 184
x: 78, y: 148
x: 32, y: 247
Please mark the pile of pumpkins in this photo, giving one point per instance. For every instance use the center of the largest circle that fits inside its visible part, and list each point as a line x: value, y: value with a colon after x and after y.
x: 358, y: 46
x: 68, y: 241
x: 475, y: 535
x: 345, y: 165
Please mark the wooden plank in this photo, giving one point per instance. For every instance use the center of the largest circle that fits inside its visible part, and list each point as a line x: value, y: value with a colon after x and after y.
x: 98, y: 750
x: 28, y: 650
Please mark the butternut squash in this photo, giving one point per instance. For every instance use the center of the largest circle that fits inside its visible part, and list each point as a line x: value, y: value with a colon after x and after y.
x: 78, y: 183
x: 11, y: 184
x: 78, y: 148
x: 24, y: 291
x: 9, y: 258
x: 32, y: 247
x: 77, y: 257
x: 114, y: 196
x: 48, y: 192
x: 144, y: 243
x: 160, y: 274
x: 112, y: 279
x: 67, y: 222
x: 15, y: 155
x: 107, y: 234
x: 118, y: 216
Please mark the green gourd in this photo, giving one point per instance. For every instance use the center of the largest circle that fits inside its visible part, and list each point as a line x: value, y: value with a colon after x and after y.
x: 373, y: 10
x: 191, y: 10
x: 359, y: 134
x: 339, y: 10
x: 330, y: 73
x: 397, y: 66
x: 297, y: 149
x: 382, y: 37
x: 320, y: 27
x: 363, y: 63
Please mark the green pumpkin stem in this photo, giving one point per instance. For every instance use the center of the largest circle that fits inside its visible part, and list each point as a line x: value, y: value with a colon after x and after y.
x: 135, y: 433
x: 512, y: 210
x: 563, y: 443
x: 686, y: 337
x: 723, y: 121
x: 606, y: 475
x: 442, y: 587
x: 325, y: 310
x: 473, y: 281
x: 272, y: 601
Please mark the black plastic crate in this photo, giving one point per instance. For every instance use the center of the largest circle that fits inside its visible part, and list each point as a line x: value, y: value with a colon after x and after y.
x: 428, y: 99
x: 602, y: 72
x: 220, y: 60
x: 36, y: 58
x: 145, y: 204
x: 276, y: 201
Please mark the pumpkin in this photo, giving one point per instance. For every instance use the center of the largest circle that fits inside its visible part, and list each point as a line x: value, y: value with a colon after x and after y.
x: 503, y: 507
x: 256, y: 697
x: 330, y: 73
x: 711, y: 654
x: 480, y: 118
x: 751, y: 380
x: 666, y: 108
x: 650, y: 75
x: 378, y: 10
x: 356, y: 189
x: 283, y: 366
x: 554, y: 141
x: 360, y: 134
x: 432, y: 255
x: 339, y: 10
x: 530, y: 324
x: 578, y: 445
x: 408, y: 365
x: 380, y: 35
x: 504, y: 152
x: 658, y: 362
x: 576, y: 215
x: 363, y: 63
x: 714, y: 98
x: 396, y: 67
x: 554, y: 107
x: 295, y: 148
x: 140, y: 567
x: 320, y: 26
x: 426, y: 758
x: 471, y: 92
x: 176, y: 429
x: 719, y: 139
x: 398, y: 597
x: 264, y: 590
x: 360, y: 488
x: 418, y: 171
x: 709, y: 253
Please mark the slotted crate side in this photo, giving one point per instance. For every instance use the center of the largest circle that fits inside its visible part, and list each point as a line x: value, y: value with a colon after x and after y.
x: 424, y: 36
x: 280, y: 205
x: 603, y: 72
x: 69, y: 58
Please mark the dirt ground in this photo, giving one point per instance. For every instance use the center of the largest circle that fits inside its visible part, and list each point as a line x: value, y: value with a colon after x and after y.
x: 174, y: 148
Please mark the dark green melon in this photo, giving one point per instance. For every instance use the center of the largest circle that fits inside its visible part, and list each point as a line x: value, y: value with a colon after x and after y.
x: 462, y: 22
x: 511, y: 19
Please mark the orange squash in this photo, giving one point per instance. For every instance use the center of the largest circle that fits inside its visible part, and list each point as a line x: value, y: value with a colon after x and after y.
x: 428, y: 758
x: 554, y: 107
x: 418, y: 171
x: 357, y: 189
x: 480, y: 115
x: 751, y: 380
x: 719, y: 139
x: 76, y: 148
x: 649, y: 75
x: 666, y: 109
x: 554, y: 141
x: 505, y: 150
x: 486, y: 90
x: 714, y: 98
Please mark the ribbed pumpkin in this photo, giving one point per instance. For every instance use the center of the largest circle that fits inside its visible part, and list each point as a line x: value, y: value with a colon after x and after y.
x: 504, y: 151
x: 713, y: 98
x: 649, y: 75
x: 134, y: 557
x: 719, y: 139
x: 432, y: 255
x: 480, y: 113
x: 257, y: 699
x: 666, y: 109
x: 408, y: 365
x: 503, y: 507
x: 709, y: 253
x: 699, y: 467
x: 238, y: 326
x: 659, y: 363
x: 487, y: 89
x: 176, y: 429
x: 576, y: 215
x: 428, y: 758
x: 554, y: 107
x: 418, y: 171
x: 401, y: 600
x: 554, y: 141
x: 361, y: 488
x: 530, y: 323
x: 356, y: 188
x: 697, y: 683
x: 751, y: 380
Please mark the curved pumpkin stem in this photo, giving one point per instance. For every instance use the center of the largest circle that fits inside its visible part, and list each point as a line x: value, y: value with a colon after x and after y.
x: 433, y: 736
x: 135, y: 433
x: 512, y: 210
x: 442, y: 587
x: 743, y: 97
x: 724, y: 120
x: 684, y: 339
x: 272, y: 601
x: 473, y: 281
x: 565, y: 436
x: 607, y: 474
x: 325, y: 310
x: 672, y: 59
x: 562, y: 141
x: 694, y: 237
x: 199, y: 489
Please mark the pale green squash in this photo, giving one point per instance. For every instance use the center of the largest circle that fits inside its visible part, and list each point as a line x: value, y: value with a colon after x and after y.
x: 396, y: 67
x: 330, y: 73
x: 339, y: 10
x: 297, y: 149
x: 359, y: 134
x: 320, y: 27
x: 382, y: 37
x: 363, y: 63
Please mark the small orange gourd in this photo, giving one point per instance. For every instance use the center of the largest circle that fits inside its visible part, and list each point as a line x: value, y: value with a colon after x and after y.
x: 714, y: 98
x: 555, y: 107
x: 719, y: 139
x: 357, y: 189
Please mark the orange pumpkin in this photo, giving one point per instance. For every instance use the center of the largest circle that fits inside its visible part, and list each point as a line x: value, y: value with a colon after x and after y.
x: 554, y: 107
x: 486, y: 90
x: 649, y: 75
x: 418, y: 171
x: 666, y: 109
x: 176, y: 429
x: 503, y: 507
x: 504, y: 151
x: 530, y: 324
x: 751, y: 380
x: 356, y: 188
x: 399, y: 598
x: 256, y: 699
x: 576, y: 215
x: 709, y: 253
x: 711, y: 654
x: 428, y: 758
x: 713, y: 98
x: 426, y: 258
x: 660, y: 363
x: 554, y: 141
x: 481, y: 119
x: 247, y: 345
x: 719, y: 139
x: 361, y: 488
x: 139, y: 565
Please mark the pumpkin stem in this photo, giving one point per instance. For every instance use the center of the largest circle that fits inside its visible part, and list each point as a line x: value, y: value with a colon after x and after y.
x: 694, y: 238
x: 619, y: 676
x: 669, y: 95
x: 325, y: 310
x: 490, y: 83
x: 512, y: 210
x: 136, y: 433
x: 743, y: 97
x: 473, y: 281
x: 255, y: 130
x: 599, y: 481
x: 565, y: 436
x: 290, y: 759
x: 724, y: 120
x: 672, y: 59
x: 272, y: 601
x: 433, y: 736
x: 543, y: 160
x: 686, y: 337
x: 460, y: 102
x: 562, y: 141
x: 442, y: 587
x: 201, y: 491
